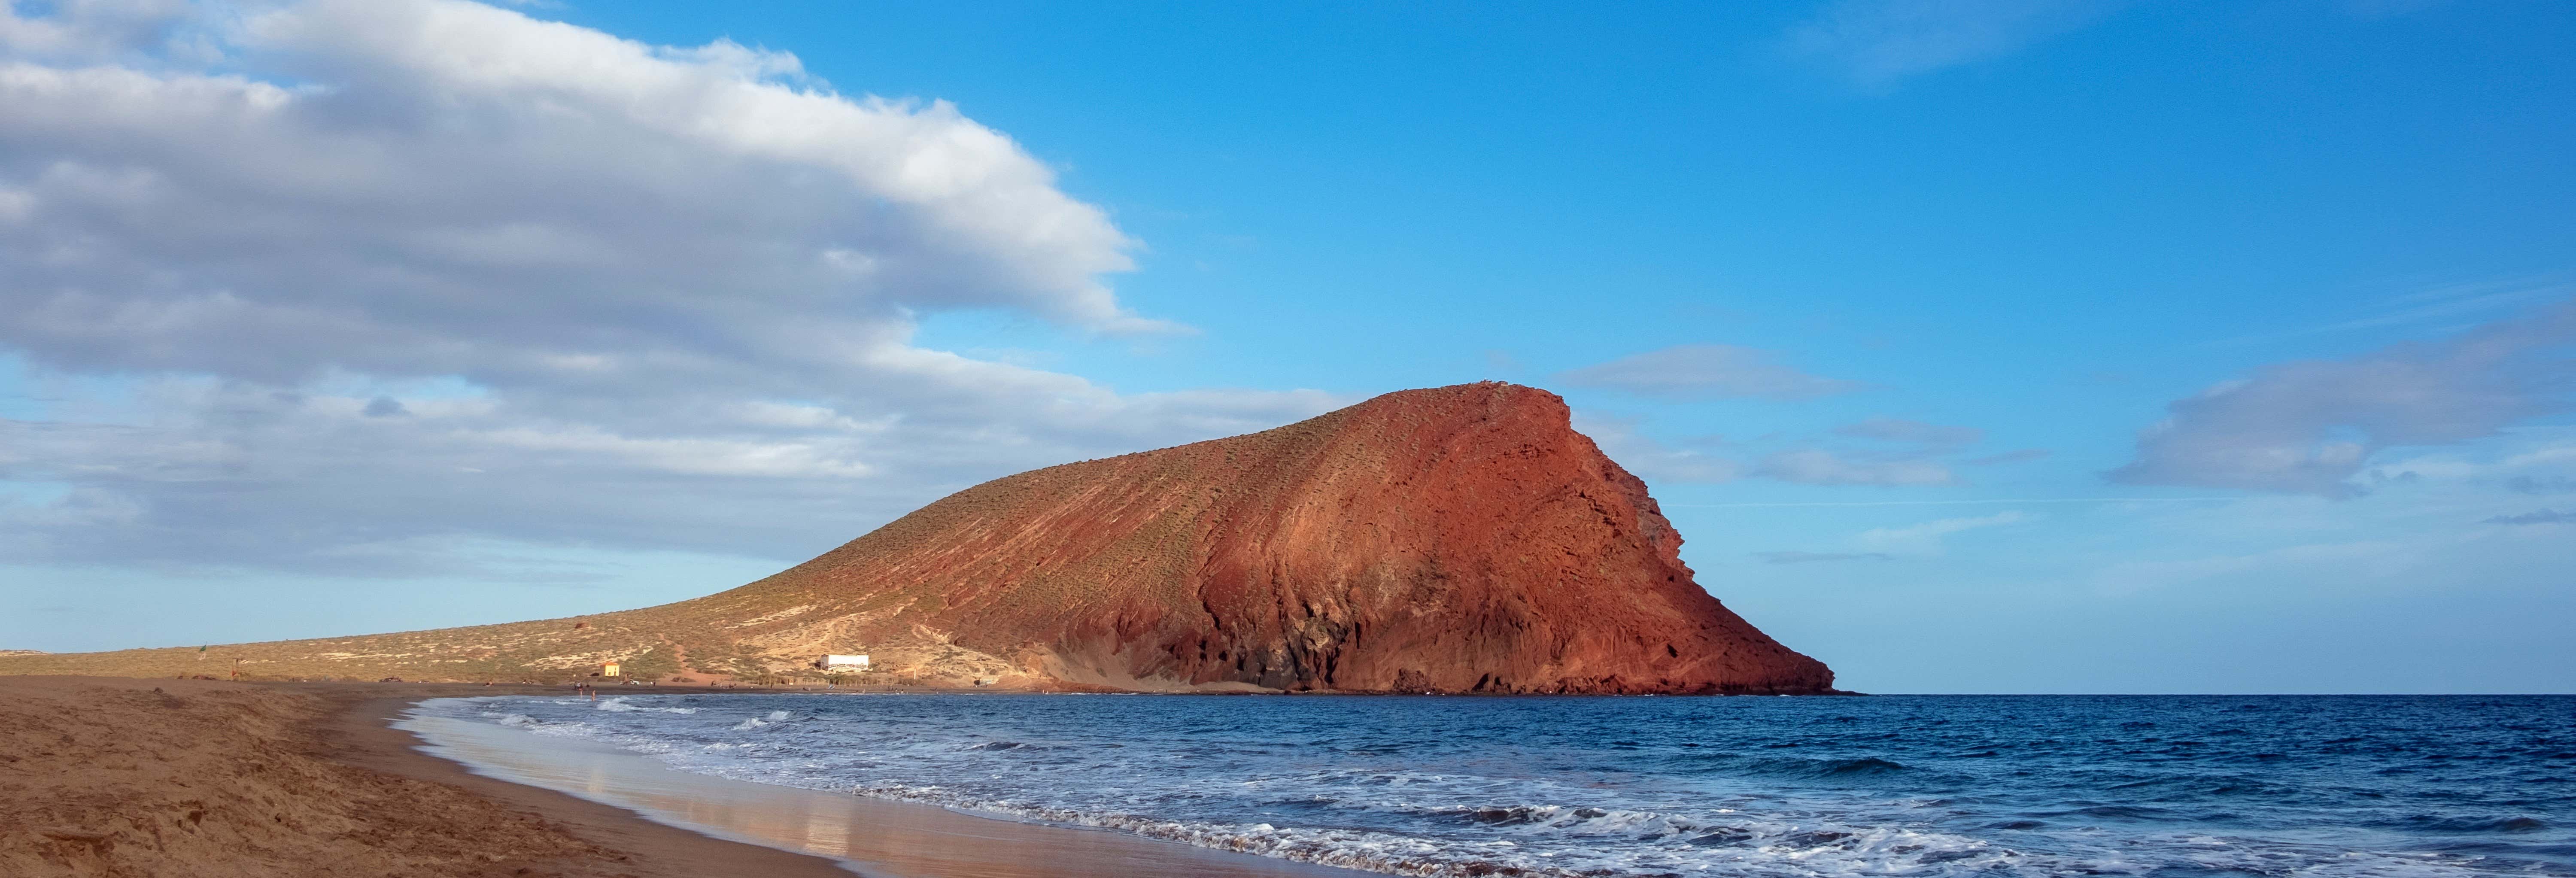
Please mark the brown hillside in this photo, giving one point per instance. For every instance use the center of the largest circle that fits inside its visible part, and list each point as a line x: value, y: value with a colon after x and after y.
x: 1456, y: 539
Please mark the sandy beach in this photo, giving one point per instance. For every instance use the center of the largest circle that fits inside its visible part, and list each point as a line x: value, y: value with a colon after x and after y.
x: 140, y: 777
x: 135, y: 777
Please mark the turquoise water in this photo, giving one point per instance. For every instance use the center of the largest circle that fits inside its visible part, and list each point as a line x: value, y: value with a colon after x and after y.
x: 2165, y: 786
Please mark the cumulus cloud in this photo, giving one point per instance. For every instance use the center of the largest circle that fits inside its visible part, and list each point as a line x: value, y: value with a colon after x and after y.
x: 1875, y: 42
x: 83, y: 30
x: 448, y: 188
x: 1705, y: 371
x: 369, y: 273
x: 2309, y: 427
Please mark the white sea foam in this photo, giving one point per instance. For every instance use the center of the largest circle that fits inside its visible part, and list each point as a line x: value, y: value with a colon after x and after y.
x: 1384, y: 801
x: 622, y: 704
x: 774, y: 717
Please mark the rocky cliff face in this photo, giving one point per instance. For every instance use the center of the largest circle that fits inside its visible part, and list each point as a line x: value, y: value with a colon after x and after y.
x: 1455, y: 539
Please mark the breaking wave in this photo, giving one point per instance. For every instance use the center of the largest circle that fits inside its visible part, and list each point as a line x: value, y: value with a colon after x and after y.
x: 1952, y: 787
x: 626, y: 704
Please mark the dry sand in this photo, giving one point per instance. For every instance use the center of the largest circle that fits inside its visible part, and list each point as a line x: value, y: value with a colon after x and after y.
x: 105, y: 776
x: 126, y: 777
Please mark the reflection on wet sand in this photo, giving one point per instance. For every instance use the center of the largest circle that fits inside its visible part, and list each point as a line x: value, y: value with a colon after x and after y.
x: 872, y: 836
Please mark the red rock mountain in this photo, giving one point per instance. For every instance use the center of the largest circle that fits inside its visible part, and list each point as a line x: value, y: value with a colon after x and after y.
x: 1455, y: 539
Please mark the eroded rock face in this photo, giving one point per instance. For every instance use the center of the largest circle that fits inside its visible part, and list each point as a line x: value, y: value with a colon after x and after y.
x: 1455, y: 539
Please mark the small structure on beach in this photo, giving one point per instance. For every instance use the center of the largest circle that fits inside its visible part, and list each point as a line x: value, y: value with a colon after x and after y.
x: 843, y: 663
x: 608, y: 670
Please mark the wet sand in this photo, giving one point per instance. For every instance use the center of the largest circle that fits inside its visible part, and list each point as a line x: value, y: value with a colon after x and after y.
x: 874, y: 836
x: 119, y: 776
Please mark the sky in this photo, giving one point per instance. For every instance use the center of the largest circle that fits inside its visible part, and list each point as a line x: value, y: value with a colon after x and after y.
x: 2009, y: 346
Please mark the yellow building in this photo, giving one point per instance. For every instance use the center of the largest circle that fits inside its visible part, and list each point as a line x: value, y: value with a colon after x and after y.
x: 608, y: 670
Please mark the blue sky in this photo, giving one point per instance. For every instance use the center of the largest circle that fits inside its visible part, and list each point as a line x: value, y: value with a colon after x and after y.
x: 2017, y: 346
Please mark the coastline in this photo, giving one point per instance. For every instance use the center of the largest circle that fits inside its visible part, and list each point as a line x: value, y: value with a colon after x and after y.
x: 363, y: 727
x: 128, y: 776
x: 114, y: 776
x: 871, y: 836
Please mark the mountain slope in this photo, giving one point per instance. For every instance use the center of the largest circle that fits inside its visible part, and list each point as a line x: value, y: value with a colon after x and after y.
x: 1455, y: 539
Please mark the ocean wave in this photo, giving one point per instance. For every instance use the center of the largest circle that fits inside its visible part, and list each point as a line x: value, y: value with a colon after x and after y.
x: 623, y: 704
x: 775, y: 717
x: 1685, y: 787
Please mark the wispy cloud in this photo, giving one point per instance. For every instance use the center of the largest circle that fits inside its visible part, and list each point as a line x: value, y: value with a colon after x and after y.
x: 1816, y: 466
x: 2015, y: 456
x: 1641, y: 454
x: 1917, y: 432
x: 2541, y: 485
x: 1706, y: 371
x: 1976, y: 502
x: 2309, y: 427
x: 1877, y: 42
x: 1925, y: 538
x: 2441, y: 305
x: 1816, y: 557
x: 1892, y: 452
x: 2343, y: 561
x: 2543, y: 516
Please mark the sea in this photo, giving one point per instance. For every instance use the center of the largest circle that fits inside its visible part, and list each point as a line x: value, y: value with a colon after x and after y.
x: 1906, y: 785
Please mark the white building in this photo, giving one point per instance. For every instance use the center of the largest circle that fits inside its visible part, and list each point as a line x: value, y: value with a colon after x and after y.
x: 845, y: 662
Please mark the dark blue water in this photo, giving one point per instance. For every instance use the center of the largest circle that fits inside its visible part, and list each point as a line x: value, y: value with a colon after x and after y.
x: 2166, y: 786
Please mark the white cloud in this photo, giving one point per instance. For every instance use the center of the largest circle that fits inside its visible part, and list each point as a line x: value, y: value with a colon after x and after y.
x: 1705, y: 371
x: 1618, y: 438
x: 2345, y: 561
x: 666, y: 295
x: 1925, y: 538
x: 1932, y: 436
x: 450, y: 188
x: 2018, y: 455
x: 1875, y: 42
x: 1815, y: 466
x: 1911, y: 463
x: 2311, y: 426
x: 1818, y: 557
x: 79, y: 30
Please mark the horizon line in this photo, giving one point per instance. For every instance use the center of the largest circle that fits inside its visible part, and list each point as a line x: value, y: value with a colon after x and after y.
x: 1950, y: 502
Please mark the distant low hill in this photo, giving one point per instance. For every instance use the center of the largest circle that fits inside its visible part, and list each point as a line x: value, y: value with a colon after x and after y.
x: 1455, y: 539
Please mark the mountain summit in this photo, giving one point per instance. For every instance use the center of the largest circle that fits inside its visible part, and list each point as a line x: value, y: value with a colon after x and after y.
x: 1453, y: 539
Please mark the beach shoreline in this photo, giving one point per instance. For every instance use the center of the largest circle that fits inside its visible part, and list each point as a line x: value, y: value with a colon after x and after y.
x: 871, y: 835
x: 124, y: 776
x: 364, y: 725
x: 118, y: 776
